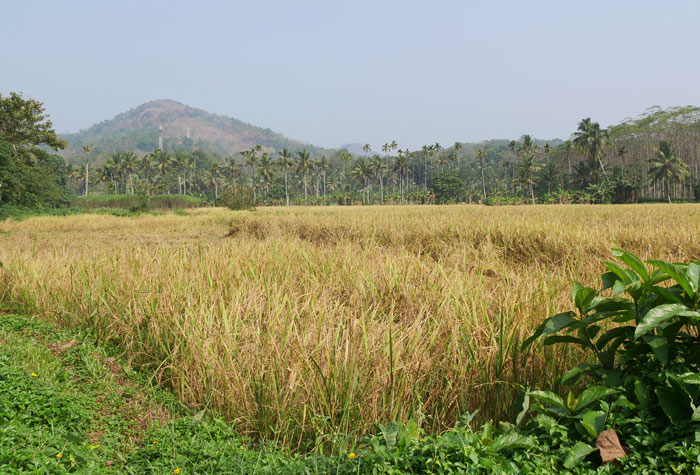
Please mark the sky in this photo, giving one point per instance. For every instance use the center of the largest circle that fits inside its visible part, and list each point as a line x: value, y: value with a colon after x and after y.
x: 334, y: 72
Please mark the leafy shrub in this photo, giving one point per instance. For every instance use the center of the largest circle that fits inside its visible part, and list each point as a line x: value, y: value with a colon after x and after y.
x: 238, y: 198
x: 448, y: 187
x: 641, y: 327
x: 140, y: 205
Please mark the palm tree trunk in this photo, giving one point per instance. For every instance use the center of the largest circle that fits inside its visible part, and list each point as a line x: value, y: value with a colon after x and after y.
x: 286, y: 193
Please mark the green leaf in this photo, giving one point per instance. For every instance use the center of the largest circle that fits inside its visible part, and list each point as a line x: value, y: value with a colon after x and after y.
x: 573, y: 374
x: 618, y: 287
x: 549, y: 326
x: 577, y: 453
x: 676, y: 274
x: 553, y: 339
x: 389, y: 433
x: 621, y: 273
x: 659, y: 346
x: 550, y: 398
x: 511, y: 441
x: 410, y: 431
x: 675, y: 403
x: 523, y: 410
x: 593, y: 422
x: 583, y: 297
x: 690, y: 378
x: 592, y: 395
x: 693, y: 273
x: 632, y: 261
x: 656, y: 316
x: 197, y: 418
x: 642, y: 393
x: 664, y: 292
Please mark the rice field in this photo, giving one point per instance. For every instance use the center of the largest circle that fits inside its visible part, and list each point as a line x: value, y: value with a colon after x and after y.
x: 309, y: 325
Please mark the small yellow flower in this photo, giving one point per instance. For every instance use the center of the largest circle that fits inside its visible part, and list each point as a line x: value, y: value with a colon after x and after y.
x: 58, y: 456
x: 155, y: 442
x: 352, y: 455
x: 33, y: 375
x: 177, y: 470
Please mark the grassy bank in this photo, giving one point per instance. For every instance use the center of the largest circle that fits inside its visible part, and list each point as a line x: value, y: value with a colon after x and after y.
x: 71, y: 405
x: 307, y: 326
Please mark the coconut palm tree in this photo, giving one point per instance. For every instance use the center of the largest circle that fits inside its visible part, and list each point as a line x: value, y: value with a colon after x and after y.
x: 480, y: 155
x: 267, y: 172
x: 285, y: 162
x: 366, y: 148
x: 402, y: 168
x: 379, y: 168
x: 527, y: 170
x: 322, y: 166
x: 345, y: 158
x: 233, y: 170
x: 621, y: 152
x: 667, y: 168
x: 362, y: 172
x: 304, y: 167
x: 87, y: 149
x: 592, y: 141
x: 251, y: 159
x: 457, y: 148
x: 129, y: 165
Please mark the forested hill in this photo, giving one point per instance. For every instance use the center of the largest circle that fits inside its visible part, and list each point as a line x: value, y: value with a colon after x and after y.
x: 137, y: 130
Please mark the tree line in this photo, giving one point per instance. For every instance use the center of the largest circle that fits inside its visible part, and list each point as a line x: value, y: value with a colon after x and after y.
x: 654, y: 156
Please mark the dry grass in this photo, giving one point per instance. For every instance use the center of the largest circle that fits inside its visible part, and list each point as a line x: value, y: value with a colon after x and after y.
x: 303, y: 323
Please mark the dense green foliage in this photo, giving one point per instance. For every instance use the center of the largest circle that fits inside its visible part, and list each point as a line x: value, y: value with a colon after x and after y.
x: 30, y: 177
x: 156, y: 202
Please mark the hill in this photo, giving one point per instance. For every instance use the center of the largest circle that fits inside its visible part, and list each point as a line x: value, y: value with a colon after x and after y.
x: 184, y: 128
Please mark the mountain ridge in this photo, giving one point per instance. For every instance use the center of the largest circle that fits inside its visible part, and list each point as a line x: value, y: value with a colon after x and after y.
x: 184, y: 128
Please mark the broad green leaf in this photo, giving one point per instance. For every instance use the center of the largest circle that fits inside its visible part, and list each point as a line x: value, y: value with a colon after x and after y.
x: 558, y: 322
x: 696, y: 414
x: 659, y: 346
x: 664, y: 292
x: 573, y: 374
x: 618, y: 288
x: 592, y: 395
x: 615, y: 333
x: 389, y: 433
x: 656, y: 316
x: 608, y: 280
x: 525, y: 407
x: 690, y: 378
x: 642, y: 393
x: 511, y: 441
x: 577, y: 453
x: 693, y: 273
x: 553, y: 339
x: 621, y: 273
x: 583, y: 298
x: 550, y: 398
x: 593, y: 422
x: 676, y: 274
x: 632, y: 261
x: 410, y: 432
x: 675, y: 403
x: 550, y: 325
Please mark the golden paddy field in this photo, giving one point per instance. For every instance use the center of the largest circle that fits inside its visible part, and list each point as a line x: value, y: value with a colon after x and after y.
x: 303, y: 323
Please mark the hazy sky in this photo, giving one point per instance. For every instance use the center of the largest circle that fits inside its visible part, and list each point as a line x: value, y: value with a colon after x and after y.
x: 331, y: 72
